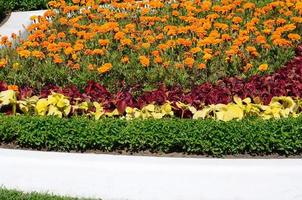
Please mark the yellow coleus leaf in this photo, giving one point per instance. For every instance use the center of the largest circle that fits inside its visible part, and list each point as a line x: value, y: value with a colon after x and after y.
x: 157, y: 115
x: 84, y: 106
x: 166, y: 108
x: 284, y: 102
x: 8, y: 97
x: 26, y: 105
x: 149, y: 108
x: 232, y: 111
x: 42, y: 106
x: 115, y: 112
x: 54, y: 111
x: 99, y: 111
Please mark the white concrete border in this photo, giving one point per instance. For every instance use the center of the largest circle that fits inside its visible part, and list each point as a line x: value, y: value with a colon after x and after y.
x: 151, y: 178
x: 17, y: 22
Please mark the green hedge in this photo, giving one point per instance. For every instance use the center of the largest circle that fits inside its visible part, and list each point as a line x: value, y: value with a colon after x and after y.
x: 249, y: 136
x: 11, y: 5
x: 16, y: 195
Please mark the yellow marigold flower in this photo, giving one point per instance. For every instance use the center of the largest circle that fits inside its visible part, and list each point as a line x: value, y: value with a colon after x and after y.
x: 263, y: 67
x: 144, y: 61
x: 3, y: 62
x: 207, y: 57
x: 16, y: 66
x: 105, y: 68
x: 294, y: 37
x: 126, y: 41
x: 146, y: 45
x: 74, y: 56
x: 189, y: 62
x: 68, y: 50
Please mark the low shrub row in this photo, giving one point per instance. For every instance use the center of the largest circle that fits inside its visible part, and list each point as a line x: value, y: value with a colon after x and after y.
x: 11, y: 5
x: 16, y: 195
x: 206, y: 137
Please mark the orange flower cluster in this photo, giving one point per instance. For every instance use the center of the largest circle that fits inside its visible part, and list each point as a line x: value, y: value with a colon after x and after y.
x: 181, y: 34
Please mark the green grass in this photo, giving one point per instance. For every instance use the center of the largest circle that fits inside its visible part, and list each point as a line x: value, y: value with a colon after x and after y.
x: 6, y: 194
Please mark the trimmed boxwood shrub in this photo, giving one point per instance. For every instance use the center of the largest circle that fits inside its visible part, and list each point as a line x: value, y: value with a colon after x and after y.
x: 11, y: 5
x: 207, y: 137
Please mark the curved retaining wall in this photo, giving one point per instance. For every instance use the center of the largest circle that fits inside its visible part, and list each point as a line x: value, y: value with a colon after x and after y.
x: 17, y: 22
x: 151, y: 178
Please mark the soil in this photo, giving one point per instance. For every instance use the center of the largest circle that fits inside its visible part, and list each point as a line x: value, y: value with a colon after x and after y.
x: 159, y: 154
x: 4, y: 18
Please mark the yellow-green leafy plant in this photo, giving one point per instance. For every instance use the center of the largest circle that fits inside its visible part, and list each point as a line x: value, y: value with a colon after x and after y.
x: 150, y: 111
x: 8, y: 98
x: 56, y: 104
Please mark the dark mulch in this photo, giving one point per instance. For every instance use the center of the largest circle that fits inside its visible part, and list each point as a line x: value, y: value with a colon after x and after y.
x: 171, y: 155
x: 3, y: 18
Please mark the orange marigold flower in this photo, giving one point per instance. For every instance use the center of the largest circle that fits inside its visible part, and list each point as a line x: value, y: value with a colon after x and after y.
x: 195, y: 50
x: 119, y: 35
x: 260, y: 39
x: 105, y: 68
x: 13, y: 87
x: 98, y: 52
x: 294, y: 37
x: 57, y: 59
x: 91, y: 67
x: 237, y: 20
x: 24, y: 53
x: 247, y: 67
x: 189, y: 62
x: 158, y: 59
x: 125, y: 59
x: 144, y: 61
x: 155, y: 53
x: 61, y: 35
x: 38, y: 54
x: 201, y: 66
x: 263, y: 67
x: 103, y: 42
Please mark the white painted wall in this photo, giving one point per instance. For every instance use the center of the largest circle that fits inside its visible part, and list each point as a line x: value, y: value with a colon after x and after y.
x: 151, y: 178
x: 17, y: 22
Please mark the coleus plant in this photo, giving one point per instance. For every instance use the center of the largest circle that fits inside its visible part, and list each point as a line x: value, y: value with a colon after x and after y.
x: 57, y: 104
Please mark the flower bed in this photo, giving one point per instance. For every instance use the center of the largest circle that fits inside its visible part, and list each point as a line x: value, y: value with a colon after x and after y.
x: 125, y: 62
x: 166, y: 43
